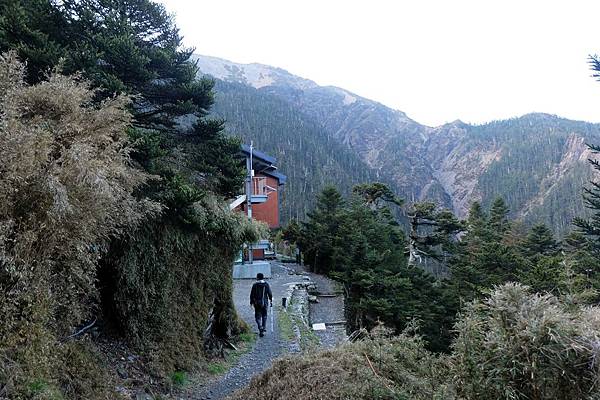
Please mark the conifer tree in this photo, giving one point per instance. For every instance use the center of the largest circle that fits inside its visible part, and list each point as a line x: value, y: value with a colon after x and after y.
x: 484, y: 257
x: 432, y: 232
x: 580, y: 276
x: 543, y: 266
x: 583, y: 246
x: 540, y: 242
x: 377, y: 193
x: 466, y: 279
x: 320, y: 240
x: 591, y: 227
x: 31, y: 28
x: 498, y: 218
x: 292, y: 232
x: 476, y: 216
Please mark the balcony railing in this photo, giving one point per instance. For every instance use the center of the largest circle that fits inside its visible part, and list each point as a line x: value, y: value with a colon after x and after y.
x: 259, y: 186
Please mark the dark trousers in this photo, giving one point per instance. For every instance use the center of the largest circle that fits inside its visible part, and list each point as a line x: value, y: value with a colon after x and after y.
x: 260, y: 314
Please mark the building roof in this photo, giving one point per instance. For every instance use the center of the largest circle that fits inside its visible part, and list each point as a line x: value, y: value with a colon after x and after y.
x: 258, y: 154
x: 264, y: 163
x: 277, y: 175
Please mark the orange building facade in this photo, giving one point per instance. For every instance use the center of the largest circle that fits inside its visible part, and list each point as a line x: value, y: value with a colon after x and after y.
x: 268, y: 211
x: 264, y: 185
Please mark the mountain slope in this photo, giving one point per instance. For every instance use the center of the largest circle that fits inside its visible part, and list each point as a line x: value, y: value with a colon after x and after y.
x: 537, y: 162
x: 305, y: 154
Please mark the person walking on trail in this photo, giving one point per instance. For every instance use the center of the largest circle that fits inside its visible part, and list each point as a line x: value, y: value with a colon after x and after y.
x: 260, y: 297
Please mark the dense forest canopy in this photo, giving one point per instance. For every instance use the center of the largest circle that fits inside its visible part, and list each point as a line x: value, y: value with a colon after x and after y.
x: 387, y: 275
x: 309, y: 158
x: 326, y: 135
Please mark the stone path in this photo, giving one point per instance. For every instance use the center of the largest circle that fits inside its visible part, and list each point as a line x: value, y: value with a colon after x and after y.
x: 266, y: 348
x: 329, y: 309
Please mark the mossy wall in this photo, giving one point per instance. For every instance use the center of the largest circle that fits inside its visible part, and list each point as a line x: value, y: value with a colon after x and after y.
x: 169, y: 290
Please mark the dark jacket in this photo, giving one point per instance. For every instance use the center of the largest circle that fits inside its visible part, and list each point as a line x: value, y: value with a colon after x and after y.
x: 260, y: 293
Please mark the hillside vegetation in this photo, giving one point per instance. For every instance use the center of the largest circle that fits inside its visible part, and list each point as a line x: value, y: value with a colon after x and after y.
x: 307, y: 156
x: 512, y: 345
x: 114, y: 232
x: 443, y: 262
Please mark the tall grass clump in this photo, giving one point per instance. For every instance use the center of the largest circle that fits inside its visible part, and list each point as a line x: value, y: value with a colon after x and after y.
x: 518, y: 345
x: 66, y: 187
x: 379, y: 367
x: 168, y: 284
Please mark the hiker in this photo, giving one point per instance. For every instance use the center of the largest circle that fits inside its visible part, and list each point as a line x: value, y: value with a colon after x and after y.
x: 260, y: 296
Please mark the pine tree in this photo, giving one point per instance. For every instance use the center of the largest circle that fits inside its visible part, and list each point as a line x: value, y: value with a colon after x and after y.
x: 542, y: 268
x: 591, y: 227
x: 484, y: 256
x: 432, y: 232
x: 498, y: 218
x: 540, y: 242
x: 581, y: 277
x: 476, y: 216
x: 31, y: 28
x: 320, y: 240
x: 377, y: 193
x: 292, y: 232
x: 466, y: 281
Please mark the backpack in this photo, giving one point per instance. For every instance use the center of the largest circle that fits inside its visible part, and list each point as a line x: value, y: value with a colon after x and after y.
x: 261, y: 290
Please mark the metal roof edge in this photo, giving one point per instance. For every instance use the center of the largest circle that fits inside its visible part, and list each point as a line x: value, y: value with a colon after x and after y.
x: 259, y: 154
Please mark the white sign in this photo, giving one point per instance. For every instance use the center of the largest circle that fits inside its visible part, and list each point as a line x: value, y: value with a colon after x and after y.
x: 319, y: 327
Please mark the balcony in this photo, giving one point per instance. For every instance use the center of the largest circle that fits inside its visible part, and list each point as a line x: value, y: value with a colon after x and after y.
x: 260, y: 193
x: 260, y: 190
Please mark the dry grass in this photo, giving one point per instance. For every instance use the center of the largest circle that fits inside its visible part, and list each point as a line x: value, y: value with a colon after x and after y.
x: 377, y: 368
x: 66, y: 187
x: 517, y: 345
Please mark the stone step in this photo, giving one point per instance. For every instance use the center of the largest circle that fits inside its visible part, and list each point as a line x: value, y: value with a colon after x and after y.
x: 335, y: 323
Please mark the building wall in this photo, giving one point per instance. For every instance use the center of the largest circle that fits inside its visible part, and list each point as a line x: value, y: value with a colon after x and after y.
x: 269, y: 210
x: 258, y: 254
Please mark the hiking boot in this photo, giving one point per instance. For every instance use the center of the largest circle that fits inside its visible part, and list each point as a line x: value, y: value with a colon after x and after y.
x: 261, y: 334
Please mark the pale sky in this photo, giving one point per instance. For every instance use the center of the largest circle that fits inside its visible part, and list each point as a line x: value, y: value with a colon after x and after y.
x: 436, y: 60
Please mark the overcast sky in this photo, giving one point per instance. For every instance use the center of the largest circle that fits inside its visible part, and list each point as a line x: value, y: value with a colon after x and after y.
x: 436, y: 60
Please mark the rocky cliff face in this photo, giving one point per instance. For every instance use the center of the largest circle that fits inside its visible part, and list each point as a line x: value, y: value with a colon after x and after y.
x: 537, y: 162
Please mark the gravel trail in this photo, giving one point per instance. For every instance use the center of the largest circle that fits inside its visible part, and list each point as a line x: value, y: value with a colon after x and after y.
x: 272, y: 346
x: 266, y: 349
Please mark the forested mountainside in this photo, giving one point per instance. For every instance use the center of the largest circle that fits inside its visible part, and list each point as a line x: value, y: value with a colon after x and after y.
x: 309, y: 158
x: 537, y: 162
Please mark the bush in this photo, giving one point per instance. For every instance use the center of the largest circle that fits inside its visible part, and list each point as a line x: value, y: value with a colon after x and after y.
x: 168, y: 285
x: 376, y: 368
x: 517, y: 345
x: 65, y: 189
